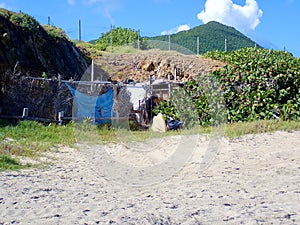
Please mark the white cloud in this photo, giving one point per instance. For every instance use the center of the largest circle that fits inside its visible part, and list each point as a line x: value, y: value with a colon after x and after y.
x: 243, y: 18
x: 177, y: 29
x: 183, y: 28
x: 71, y: 2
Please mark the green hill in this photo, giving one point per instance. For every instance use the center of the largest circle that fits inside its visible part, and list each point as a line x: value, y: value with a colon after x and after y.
x: 211, y: 36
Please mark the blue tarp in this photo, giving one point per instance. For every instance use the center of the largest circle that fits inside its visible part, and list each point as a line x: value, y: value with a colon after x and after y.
x: 97, y: 108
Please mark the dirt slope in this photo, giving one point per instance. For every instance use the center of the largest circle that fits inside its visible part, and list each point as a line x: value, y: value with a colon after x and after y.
x: 139, y: 66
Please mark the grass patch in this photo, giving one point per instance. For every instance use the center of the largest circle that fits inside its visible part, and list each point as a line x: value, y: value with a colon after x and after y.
x: 124, y: 49
x: 7, y: 163
x: 31, y: 139
x: 235, y: 130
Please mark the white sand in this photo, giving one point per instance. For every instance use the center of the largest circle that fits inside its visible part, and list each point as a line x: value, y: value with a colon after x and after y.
x: 252, y: 180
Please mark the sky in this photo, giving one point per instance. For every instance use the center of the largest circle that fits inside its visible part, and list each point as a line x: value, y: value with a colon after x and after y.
x: 272, y: 24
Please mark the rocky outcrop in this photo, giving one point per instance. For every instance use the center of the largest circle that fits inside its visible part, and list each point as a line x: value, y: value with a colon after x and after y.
x: 27, y: 49
x: 161, y: 64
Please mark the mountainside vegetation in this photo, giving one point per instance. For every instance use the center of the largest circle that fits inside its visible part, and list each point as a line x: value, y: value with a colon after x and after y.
x: 211, y: 37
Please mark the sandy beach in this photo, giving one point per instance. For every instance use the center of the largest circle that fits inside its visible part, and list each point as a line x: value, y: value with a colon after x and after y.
x: 254, y: 179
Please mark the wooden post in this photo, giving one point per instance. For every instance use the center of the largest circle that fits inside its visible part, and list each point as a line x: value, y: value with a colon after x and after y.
x: 59, y: 79
x: 118, y: 118
x: 151, y: 99
x: 169, y: 85
x: 161, y: 94
x: 198, y: 45
x: 60, y: 117
x: 138, y: 42
x: 175, y: 73
x: 111, y: 35
x: 92, y: 71
x: 79, y: 30
x: 25, y: 113
x: 92, y: 75
x: 151, y: 86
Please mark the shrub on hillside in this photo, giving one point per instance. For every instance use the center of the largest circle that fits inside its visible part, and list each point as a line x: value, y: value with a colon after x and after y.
x: 255, y: 84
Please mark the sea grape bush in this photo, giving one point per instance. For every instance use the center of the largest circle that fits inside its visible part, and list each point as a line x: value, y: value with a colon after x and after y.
x: 259, y: 83
x: 255, y: 84
x: 200, y: 101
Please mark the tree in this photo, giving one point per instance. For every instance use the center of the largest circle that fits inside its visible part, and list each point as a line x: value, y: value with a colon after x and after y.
x: 119, y: 36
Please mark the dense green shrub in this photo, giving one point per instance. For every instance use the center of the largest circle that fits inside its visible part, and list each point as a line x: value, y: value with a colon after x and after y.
x: 259, y: 83
x: 25, y: 21
x: 119, y: 37
x: 255, y: 84
x: 200, y: 101
x: 5, y: 13
x: 55, y: 32
x: 20, y: 19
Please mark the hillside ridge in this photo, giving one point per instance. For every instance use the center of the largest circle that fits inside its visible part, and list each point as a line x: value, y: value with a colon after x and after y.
x: 27, y: 48
x: 211, y: 37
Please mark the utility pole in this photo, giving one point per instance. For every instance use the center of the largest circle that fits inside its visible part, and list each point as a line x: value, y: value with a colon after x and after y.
x: 198, y: 45
x: 225, y: 48
x: 111, y: 37
x: 138, y: 43
x: 79, y: 30
x: 169, y: 42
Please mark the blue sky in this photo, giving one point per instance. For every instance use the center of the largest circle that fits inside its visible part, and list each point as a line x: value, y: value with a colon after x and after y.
x: 273, y: 24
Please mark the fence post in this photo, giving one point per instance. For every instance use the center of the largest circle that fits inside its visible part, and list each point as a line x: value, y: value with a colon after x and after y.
x: 60, y: 117
x: 169, y: 85
x: 198, y: 45
x: 25, y: 113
